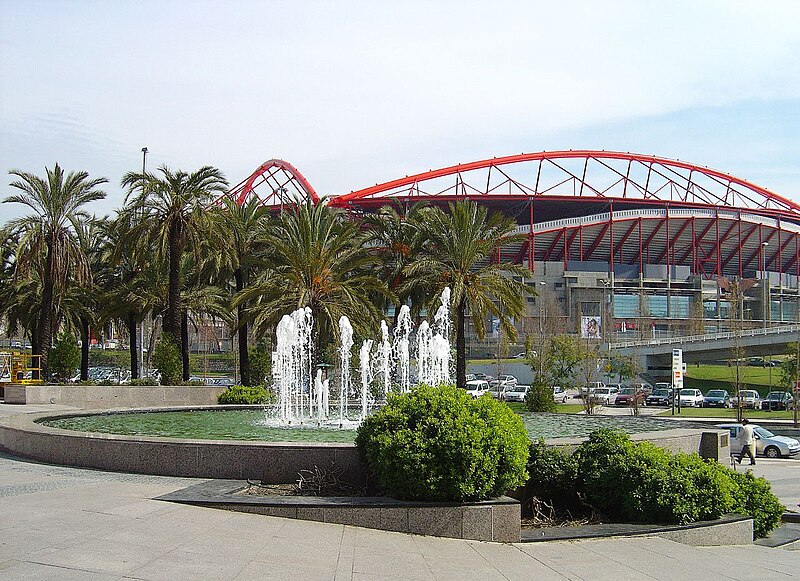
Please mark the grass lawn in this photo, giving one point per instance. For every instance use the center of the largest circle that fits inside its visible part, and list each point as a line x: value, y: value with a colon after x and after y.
x: 728, y: 413
x: 705, y: 377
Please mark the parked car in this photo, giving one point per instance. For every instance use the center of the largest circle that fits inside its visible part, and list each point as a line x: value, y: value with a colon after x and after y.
x: 559, y: 394
x: 630, y: 396
x: 477, y: 387
x: 224, y: 382
x: 497, y: 389
x: 717, y: 398
x: 585, y: 390
x: 691, y: 398
x: 483, y: 376
x: 767, y: 443
x: 508, y: 380
x: 777, y: 400
x: 660, y: 396
x: 517, y: 393
x: 604, y: 395
x: 750, y: 399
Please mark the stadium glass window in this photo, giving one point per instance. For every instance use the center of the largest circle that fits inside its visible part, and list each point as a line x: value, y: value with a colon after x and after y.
x: 679, y: 307
x: 626, y: 306
x: 709, y: 309
x: 789, y: 311
x: 724, y: 309
x: 658, y: 306
x: 775, y: 310
x: 590, y: 309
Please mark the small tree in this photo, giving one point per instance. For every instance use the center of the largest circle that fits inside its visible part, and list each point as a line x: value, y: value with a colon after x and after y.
x: 260, y: 362
x: 560, y: 357
x: 65, y: 357
x: 167, y: 360
x: 589, y: 355
x: 540, y: 397
x: 625, y: 367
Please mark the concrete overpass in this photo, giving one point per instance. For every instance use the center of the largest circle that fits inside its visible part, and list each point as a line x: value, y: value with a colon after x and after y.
x: 656, y: 354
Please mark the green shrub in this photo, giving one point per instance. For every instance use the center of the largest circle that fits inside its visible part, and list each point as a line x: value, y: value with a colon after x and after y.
x: 640, y: 482
x: 440, y: 444
x: 167, y: 359
x: 144, y: 381
x: 540, y: 397
x: 754, y: 497
x: 65, y: 357
x: 553, y: 476
x: 260, y: 362
x: 243, y: 394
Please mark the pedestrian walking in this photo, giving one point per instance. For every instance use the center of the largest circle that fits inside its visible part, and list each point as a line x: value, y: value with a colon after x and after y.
x: 748, y: 442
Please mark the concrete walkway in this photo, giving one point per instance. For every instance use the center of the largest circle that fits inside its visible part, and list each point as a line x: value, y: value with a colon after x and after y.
x: 69, y: 523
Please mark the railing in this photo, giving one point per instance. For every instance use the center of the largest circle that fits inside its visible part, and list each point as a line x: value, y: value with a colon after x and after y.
x: 783, y: 329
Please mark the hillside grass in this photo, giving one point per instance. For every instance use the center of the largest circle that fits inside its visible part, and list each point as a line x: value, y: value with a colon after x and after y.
x: 705, y: 377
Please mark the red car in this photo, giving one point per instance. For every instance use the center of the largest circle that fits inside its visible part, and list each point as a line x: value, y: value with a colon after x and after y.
x: 626, y: 396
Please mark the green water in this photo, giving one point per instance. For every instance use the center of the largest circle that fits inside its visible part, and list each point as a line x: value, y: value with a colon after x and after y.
x: 251, y: 425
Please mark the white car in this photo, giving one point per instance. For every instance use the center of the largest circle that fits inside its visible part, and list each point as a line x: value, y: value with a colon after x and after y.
x: 517, y: 393
x: 477, y: 387
x: 559, y: 394
x: 690, y: 398
x: 767, y: 443
x: 604, y: 395
x: 507, y: 380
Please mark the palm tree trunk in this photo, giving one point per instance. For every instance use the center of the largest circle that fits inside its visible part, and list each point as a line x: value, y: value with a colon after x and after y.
x: 244, y: 356
x: 45, y: 322
x: 134, y: 345
x: 461, y: 344
x: 172, y: 318
x: 185, y: 344
x: 84, y: 349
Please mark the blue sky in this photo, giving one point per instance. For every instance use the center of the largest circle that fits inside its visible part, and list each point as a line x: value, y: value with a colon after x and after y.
x: 354, y: 93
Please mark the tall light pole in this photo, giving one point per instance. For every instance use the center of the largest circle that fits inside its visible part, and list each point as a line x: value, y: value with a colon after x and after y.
x: 141, y: 323
x: 765, y: 283
x: 540, y: 354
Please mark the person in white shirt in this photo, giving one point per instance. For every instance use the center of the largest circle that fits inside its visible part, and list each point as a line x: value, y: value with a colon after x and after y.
x: 749, y: 442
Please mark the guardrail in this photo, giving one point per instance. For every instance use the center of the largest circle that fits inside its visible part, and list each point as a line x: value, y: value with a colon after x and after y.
x: 783, y: 329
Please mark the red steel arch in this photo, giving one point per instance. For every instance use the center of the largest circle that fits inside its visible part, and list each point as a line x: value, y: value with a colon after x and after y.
x: 646, y: 178
x: 281, y: 182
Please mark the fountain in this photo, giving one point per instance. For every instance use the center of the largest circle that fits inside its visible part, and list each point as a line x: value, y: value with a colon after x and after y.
x: 303, y: 402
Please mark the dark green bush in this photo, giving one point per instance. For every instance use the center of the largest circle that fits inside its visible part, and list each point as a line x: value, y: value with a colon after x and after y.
x: 65, y: 357
x: 640, y: 482
x: 167, y: 359
x: 440, y: 444
x: 540, y: 397
x: 244, y: 394
x: 553, y: 476
x: 144, y: 381
x: 753, y: 496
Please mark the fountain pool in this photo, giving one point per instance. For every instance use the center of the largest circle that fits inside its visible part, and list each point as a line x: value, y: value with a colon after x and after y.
x: 250, y: 425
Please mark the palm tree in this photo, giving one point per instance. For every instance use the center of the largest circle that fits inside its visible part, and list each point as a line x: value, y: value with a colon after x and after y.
x: 317, y: 259
x: 48, y: 242
x: 173, y: 217
x: 394, y: 235
x: 457, y: 252
x: 244, y: 227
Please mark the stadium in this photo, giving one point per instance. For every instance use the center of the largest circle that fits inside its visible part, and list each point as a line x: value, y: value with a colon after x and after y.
x: 638, y: 245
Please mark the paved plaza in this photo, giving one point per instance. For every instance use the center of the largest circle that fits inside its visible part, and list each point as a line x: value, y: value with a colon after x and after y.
x: 68, y: 523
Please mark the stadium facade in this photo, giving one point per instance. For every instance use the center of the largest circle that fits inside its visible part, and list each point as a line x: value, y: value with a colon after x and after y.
x: 642, y: 245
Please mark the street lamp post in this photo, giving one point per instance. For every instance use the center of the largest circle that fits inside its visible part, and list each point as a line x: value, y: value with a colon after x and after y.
x: 764, y: 283
x: 141, y: 323
x: 540, y: 354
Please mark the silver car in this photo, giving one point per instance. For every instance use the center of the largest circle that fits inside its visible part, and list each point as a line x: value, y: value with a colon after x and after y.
x: 767, y: 443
